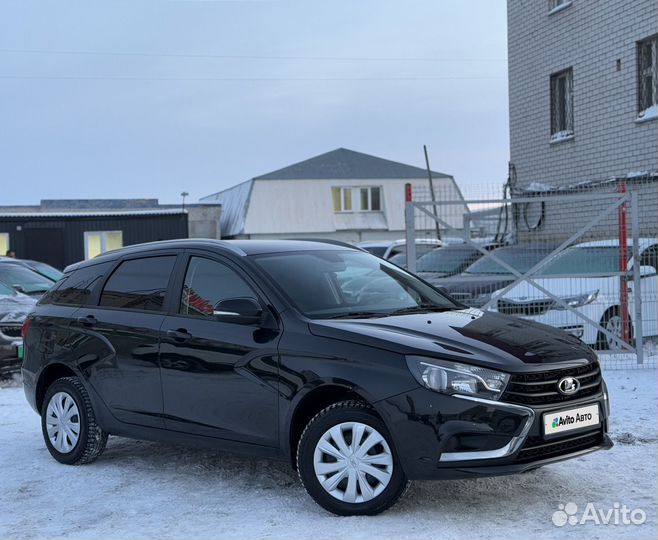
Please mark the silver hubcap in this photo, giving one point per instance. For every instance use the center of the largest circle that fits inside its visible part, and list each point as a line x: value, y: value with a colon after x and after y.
x: 63, y: 422
x: 353, y: 462
x: 614, y: 327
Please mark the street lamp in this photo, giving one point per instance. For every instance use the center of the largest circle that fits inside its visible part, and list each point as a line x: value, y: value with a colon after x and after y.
x: 184, y: 194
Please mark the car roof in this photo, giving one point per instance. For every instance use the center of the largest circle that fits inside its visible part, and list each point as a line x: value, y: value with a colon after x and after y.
x: 644, y: 243
x: 400, y: 242
x: 241, y: 248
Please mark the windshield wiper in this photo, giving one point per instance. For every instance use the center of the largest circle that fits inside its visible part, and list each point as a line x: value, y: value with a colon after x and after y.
x: 423, y: 308
x: 357, y: 315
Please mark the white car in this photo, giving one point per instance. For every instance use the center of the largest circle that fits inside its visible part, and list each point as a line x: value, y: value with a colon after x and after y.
x: 580, y: 276
x: 386, y: 249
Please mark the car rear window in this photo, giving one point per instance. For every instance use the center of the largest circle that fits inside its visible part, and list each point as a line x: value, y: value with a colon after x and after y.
x: 139, y: 284
x: 76, y: 288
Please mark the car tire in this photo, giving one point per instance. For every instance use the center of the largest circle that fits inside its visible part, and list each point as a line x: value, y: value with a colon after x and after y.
x: 345, y: 476
x: 68, y: 423
x: 608, y: 322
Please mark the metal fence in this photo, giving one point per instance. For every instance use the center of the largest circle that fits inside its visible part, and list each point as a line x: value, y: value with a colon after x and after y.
x: 581, y: 258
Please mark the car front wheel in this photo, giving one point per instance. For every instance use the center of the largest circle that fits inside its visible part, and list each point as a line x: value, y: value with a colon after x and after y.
x: 68, y: 423
x: 347, y: 463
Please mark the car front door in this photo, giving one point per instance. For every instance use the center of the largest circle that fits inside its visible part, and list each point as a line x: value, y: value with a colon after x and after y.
x: 119, y: 339
x: 219, y: 379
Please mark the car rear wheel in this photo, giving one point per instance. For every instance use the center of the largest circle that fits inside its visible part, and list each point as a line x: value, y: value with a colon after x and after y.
x: 68, y: 423
x: 347, y: 463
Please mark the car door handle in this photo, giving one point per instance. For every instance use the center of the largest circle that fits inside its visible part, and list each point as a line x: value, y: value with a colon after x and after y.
x: 89, y: 320
x: 179, y: 335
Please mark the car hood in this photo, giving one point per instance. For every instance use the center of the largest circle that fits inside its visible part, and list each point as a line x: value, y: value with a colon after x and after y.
x: 14, y: 309
x: 475, y: 284
x: 468, y: 335
x: 564, y: 287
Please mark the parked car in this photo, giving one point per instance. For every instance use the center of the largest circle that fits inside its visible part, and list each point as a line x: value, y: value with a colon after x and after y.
x: 23, y: 279
x: 481, y: 279
x: 14, y: 308
x: 448, y: 261
x: 387, y: 248
x: 581, y: 277
x: 41, y: 268
x: 258, y: 346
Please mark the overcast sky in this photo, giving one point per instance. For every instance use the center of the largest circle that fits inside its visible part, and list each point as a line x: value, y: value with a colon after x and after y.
x: 198, y: 95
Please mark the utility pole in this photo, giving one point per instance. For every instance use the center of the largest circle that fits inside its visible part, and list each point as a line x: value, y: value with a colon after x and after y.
x: 429, y: 176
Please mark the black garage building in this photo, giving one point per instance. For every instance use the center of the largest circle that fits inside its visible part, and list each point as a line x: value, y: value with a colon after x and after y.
x: 62, y: 238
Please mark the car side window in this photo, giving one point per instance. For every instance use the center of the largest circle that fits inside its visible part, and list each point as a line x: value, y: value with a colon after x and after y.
x: 207, y: 282
x: 76, y: 288
x: 139, y: 284
x: 650, y: 257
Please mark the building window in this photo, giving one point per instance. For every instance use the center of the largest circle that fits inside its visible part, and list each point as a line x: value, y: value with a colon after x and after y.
x: 558, y: 5
x: 562, y: 105
x: 342, y: 199
x: 366, y: 199
x: 97, y: 242
x: 370, y: 199
x: 4, y: 243
x: 647, y: 69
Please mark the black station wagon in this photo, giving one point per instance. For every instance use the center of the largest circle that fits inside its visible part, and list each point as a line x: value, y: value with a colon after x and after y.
x: 358, y: 373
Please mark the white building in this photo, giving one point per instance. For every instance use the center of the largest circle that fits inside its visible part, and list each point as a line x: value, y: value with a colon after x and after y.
x: 342, y: 195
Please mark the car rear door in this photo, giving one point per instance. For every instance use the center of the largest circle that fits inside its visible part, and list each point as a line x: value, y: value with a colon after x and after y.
x: 119, y: 337
x: 219, y: 379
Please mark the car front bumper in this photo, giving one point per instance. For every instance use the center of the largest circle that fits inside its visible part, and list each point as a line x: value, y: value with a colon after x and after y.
x: 445, y: 437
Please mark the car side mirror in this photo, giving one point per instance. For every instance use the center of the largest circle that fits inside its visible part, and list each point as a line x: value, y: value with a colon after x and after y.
x: 245, y: 311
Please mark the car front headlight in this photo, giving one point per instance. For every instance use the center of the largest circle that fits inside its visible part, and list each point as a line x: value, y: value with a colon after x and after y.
x: 457, y: 378
x: 578, y: 300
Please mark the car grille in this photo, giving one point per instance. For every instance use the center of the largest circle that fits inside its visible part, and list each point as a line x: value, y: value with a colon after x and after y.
x: 11, y: 330
x: 528, y: 309
x: 541, y: 388
x: 536, y: 448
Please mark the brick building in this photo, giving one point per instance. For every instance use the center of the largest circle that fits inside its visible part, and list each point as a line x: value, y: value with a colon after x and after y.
x: 583, y: 91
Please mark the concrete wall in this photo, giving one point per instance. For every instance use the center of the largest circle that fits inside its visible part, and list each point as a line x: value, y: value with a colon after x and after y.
x: 203, y: 221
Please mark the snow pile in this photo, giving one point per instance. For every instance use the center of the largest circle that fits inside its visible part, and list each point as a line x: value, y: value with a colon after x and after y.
x: 151, y: 490
x: 561, y: 136
x: 648, y: 114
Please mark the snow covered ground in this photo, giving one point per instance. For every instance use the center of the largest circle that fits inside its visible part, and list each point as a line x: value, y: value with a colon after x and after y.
x: 148, y: 490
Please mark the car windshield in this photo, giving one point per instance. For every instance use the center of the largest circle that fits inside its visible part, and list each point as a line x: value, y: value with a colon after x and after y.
x: 5, y: 290
x: 584, y: 260
x: 449, y: 259
x: 520, y: 258
x: 23, y: 279
x: 344, y: 284
x: 46, y: 270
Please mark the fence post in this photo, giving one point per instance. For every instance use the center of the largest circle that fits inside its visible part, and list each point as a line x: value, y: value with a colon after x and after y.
x: 623, y: 266
x: 637, y: 278
x: 409, y: 228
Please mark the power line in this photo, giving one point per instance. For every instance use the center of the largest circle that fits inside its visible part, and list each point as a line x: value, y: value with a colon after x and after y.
x: 238, y: 79
x: 249, y: 56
